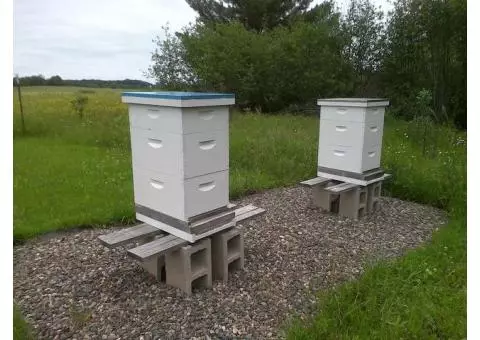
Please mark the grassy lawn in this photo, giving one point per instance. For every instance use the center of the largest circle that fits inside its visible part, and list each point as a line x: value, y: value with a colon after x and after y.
x: 60, y: 185
x: 21, y: 330
x: 70, y: 171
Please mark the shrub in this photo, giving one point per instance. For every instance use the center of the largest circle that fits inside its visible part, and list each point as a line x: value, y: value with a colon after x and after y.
x: 78, y: 104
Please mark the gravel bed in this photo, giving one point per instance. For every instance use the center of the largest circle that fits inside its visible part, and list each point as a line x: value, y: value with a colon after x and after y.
x: 69, y: 286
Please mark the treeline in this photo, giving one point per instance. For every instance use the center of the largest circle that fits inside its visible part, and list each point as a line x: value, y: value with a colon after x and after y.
x: 40, y: 80
x: 279, y: 55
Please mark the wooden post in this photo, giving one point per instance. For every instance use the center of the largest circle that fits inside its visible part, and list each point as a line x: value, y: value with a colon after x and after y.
x: 21, y: 105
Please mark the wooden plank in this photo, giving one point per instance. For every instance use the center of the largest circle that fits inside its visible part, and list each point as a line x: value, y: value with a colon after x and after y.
x: 249, y: 214
x: 244, y: 210
x: 353, y: 180
x: 128, y: 235
x: 315, y: 181
x: 341, y: 187
x: 157, y: 247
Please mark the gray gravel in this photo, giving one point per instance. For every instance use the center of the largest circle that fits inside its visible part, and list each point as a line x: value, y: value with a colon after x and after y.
x: 69, y: 286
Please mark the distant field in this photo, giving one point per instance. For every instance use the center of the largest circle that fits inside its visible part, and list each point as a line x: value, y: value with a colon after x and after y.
x: 70, y: 171
x: 63, y: 89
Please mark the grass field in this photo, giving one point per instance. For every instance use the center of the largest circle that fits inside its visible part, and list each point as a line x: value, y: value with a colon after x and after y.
x: 21, y: 330
x: 74, y: 172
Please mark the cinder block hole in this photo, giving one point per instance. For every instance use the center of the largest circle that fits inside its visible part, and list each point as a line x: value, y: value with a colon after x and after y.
x: 363, y: 197
x: 200, y: 282
x: 163, y: 274
x: 199, y: 260
x: 376, y: 191
x: 234, y: 265
x: 233, y: 246
x: 375, y: 206
x: 335, y: 204
x: 361, y: 212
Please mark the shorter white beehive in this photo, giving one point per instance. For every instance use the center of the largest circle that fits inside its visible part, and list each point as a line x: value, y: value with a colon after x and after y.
x: 351, y: 131
x: 180, y: 155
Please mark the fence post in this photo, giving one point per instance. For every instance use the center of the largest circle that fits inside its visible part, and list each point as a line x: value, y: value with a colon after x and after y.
x: 21, y: 105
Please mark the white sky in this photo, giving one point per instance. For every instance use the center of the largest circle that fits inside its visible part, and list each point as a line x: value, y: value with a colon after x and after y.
x: 102, y: 39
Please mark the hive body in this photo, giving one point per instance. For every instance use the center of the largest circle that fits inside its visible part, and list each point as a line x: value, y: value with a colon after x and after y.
x: 351, y: 131
x: 180, y: 156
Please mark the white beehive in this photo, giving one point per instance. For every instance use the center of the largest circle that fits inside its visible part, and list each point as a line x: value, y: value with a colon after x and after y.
x: 351, y: 131
x: 180, y: 152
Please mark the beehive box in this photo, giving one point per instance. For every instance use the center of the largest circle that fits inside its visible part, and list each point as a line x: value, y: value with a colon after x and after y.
x: 180, y: 156
x: 350, y: 141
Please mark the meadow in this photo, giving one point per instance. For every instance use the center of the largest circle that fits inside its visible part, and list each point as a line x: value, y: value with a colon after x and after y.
x: 76, y: 172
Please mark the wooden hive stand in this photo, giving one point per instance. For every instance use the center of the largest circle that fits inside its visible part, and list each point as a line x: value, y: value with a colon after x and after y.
x: 182, y: 264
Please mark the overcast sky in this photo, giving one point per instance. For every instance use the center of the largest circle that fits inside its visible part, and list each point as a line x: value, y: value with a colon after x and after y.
x: 102, y: 39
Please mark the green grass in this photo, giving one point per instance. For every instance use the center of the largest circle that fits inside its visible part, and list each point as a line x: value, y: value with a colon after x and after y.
x: 59, y: 185
x: 419, y: 296
x: 21, y: 330
x: 423, y: 294
x: 70, y: 172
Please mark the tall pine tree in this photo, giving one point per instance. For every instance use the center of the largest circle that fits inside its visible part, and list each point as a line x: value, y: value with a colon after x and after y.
x: 258, y: 15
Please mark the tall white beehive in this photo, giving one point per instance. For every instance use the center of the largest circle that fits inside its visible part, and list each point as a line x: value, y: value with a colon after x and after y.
x: 180, y: 155
x: 351, y: 131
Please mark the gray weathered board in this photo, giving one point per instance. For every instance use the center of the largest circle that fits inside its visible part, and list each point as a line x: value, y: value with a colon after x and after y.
x: 128, y: 235
x: 342, y: 187
x: 163, y: 244
x: 156, y: 247
x: 315, y: 181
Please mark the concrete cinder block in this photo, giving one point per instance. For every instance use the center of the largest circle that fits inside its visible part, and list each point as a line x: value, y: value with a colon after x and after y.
x: 353, y: 203
x: 323, y: 199
x: 227, y: 253
x: 156, y: 265
x: 190, y: 266
x: 374, y: 192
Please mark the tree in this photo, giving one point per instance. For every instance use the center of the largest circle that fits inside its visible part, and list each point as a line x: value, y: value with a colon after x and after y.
x: 270, y: 70
x: 426, y: 49
x: 365, y: 30
x: 33, y: 80
x: 169, y: 66
x: 322, y: 13
x: 258, y: 15
x: 55, y: 81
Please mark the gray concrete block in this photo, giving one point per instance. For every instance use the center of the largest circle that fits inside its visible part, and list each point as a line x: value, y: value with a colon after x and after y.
x: 322, y: 198
x: 190, y: 266
x: 374, y: 192
x: 227, y: 253
x: 154, y: 266
x: 353, y: 203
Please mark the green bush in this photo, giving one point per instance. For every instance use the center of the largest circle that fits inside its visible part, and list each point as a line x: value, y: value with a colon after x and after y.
x: 267, y: 71
x: 78, y: 104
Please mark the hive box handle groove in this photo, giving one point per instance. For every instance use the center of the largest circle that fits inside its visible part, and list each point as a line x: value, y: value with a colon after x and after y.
x: 341, y: 128
x: 339, y: 153
x: 156, y: 184
x: 155, y: 143
x: 371, y: 154
x: 206, y: 114
x: 206, y: 186
x: 153, y: 116
x: 207, y: 145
